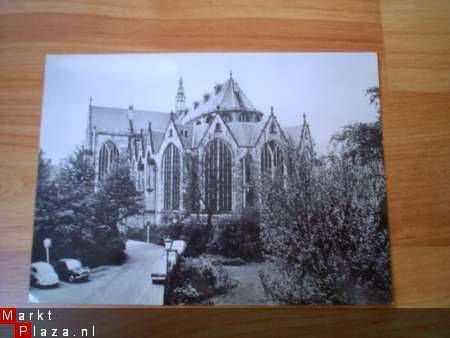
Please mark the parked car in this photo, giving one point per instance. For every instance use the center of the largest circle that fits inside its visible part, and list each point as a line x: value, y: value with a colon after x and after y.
x: 43, y: 274
x: 71, y: 270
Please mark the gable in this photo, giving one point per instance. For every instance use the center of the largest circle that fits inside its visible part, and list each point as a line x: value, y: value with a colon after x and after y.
x: 218, y: 129
x: 246, y: 133
x: 171, y: 135
x: 271, y: 131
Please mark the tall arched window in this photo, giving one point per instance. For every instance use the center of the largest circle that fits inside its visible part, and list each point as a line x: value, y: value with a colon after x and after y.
x: 151, y: 170
x: 218, y: 185
x: 171, y: 176
x: 271, y: 159
x: 247, y: 181
x: 140, y: 176
x: 108, y: 158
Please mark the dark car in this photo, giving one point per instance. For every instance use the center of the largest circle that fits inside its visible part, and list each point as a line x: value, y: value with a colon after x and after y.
x: 71, y: 270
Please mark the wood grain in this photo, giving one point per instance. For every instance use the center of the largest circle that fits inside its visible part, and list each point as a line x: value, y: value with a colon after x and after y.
x: 416, y: 121
x: 412, y: 37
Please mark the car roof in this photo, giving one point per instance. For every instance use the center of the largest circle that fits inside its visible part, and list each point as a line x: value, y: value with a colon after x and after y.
x: 42, y: 266
x: 71, y: 263
x: 69, y: 260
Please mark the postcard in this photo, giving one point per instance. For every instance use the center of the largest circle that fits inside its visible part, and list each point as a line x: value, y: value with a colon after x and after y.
x: 211, y: 179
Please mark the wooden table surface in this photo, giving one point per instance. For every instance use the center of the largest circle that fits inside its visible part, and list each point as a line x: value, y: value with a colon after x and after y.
x: 411, y: 37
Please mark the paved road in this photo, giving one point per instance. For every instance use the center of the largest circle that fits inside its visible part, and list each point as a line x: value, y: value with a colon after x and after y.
x: 126, y: 284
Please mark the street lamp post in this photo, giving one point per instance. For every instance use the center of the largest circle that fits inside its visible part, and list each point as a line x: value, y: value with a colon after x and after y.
x: 168, y: 247
x: 47, y: 244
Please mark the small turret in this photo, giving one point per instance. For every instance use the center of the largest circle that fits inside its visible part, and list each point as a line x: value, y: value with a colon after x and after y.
x: 180, y: 99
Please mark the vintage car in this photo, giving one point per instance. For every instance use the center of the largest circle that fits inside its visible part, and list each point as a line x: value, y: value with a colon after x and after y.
x: 43, y: 274
x: 71, y: 270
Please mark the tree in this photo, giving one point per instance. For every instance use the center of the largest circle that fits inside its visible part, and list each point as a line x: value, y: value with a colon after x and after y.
x: 300, y: 244
x: 82, y: 221
x: 358, y: 191
x: 73, y: 231
x: 45, y: 206
x: 374, y: 97
x: 361, y: 151
x: 197, y: 234
x: 363, y: 140
x: 324, y: 225
x: 192, y: 196
x: 117, y: 197
x: 115, y: 200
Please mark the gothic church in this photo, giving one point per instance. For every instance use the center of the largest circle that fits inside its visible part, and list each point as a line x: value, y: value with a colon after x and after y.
x: 233, y: 141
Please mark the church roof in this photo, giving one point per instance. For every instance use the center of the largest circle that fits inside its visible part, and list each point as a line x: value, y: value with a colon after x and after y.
x: 157, y: 138
x: 185, y: 132
x: 198, y: 133
x: 226, y: 96
x: 300, y: 135
x: 116, y: 120
x: 246, y: 133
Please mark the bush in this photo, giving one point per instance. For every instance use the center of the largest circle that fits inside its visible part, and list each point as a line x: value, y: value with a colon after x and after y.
x: 195, y: 279
x: 110, y: 247
x: 104, y: 247
x: 234, y: 236
x: 196, y: 237
x: 185, y: 294
x: 238, y: 236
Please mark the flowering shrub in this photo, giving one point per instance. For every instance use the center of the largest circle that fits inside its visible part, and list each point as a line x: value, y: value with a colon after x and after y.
x: 238, y: 236
x: 196, y: 279
x: 324, y: 226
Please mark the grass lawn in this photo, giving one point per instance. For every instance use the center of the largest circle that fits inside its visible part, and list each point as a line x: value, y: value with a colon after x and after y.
x: 249, y: 290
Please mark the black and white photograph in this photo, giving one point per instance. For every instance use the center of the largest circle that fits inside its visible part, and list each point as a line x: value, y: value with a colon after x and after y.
x: 211, y: 179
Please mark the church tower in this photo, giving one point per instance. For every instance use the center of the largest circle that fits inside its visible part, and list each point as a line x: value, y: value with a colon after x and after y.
x: 180, y: 99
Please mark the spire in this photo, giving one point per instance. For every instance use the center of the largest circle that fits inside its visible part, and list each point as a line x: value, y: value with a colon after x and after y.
x: 130, y: 116
x: 233, y: 93
x: 150, y: 136
x: 306, y: 144
x: 180, y: 98
x: 89, y: 131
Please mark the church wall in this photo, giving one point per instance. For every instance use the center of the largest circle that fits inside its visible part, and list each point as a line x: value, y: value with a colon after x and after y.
x: 224, y: 135
x: 154, y: 200
x: 159, y: 207
x: 121, y: 142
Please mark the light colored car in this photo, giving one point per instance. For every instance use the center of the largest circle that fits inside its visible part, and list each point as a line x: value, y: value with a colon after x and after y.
x: 43, y: 274
x: 72, y: 270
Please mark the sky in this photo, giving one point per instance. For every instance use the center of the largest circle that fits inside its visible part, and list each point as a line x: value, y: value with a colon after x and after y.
x: 328, y: 87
